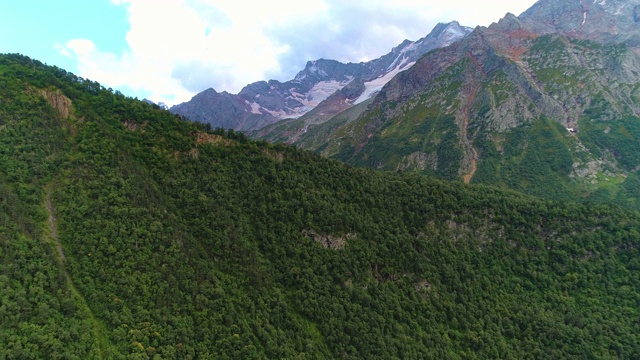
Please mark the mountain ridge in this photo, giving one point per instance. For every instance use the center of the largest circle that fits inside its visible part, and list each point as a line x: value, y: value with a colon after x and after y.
x: 264, y: 102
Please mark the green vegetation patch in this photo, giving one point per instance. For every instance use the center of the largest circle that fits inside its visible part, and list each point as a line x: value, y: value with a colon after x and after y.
x: 619, y: 138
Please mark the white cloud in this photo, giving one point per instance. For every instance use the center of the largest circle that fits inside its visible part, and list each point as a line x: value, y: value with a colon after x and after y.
x: 63, y: 50
x: 177, y: 48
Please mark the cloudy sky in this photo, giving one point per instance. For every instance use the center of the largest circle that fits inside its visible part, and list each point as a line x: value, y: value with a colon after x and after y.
x: 169, y: 50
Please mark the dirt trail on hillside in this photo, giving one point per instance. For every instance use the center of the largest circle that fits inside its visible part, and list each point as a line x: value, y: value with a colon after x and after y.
x: 97, y: 328
x: 470, y: 153
x: 474, y: 167
x: 469, y: 164
x: 52, y: 226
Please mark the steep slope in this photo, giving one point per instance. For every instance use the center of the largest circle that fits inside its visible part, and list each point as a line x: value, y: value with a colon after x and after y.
x: 262, y: 103
x: 551, y: 111
x: 126, y: 232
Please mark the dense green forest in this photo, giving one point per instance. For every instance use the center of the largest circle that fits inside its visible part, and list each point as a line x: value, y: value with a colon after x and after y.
x: 127, y: 232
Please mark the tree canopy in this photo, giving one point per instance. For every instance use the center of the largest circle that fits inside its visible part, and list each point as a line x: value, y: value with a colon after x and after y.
x: 127, y: 232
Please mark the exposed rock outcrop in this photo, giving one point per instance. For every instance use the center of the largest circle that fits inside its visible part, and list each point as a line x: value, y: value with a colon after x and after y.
x: 58, y: 101
x: 328, y: 241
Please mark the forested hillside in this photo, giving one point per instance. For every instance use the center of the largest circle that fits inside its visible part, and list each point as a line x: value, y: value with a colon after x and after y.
x: 127, y: 232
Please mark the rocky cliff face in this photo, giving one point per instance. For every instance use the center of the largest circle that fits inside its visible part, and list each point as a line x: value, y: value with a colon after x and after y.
x: 604, y: 21
x: 58, y: 101
x: 263, y: 103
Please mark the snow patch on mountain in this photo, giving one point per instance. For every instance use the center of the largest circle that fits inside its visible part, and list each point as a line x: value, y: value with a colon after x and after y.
x: 398, y: 62
x: 455, y: 31
x: 619, y: 11
x: 255, y: 108
x: 323, y: 90
x: 320, y: 92
x: 277, y: 114
x: 375, y: 85
x: 404, y: 55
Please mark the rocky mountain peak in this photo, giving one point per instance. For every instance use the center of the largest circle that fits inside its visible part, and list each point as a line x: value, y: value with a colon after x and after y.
x: 323, y: 69
x: 161, y: 105
x: 209, y: 92
x: 450, y: 32
x: 509, y: 22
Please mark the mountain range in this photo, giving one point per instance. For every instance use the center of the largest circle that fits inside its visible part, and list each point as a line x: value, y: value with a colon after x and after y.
x: 545, y: 103
x: 323, y: 84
